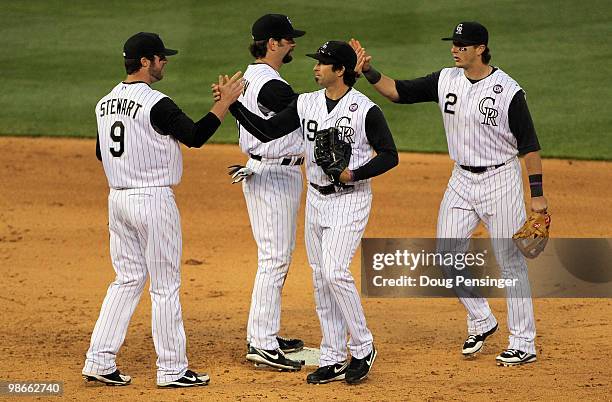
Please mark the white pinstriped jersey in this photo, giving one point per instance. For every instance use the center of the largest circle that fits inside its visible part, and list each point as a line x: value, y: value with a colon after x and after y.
x: 256, y: 76
x: 476, y: 117
x: 134, y: 155
x: 348, y: 116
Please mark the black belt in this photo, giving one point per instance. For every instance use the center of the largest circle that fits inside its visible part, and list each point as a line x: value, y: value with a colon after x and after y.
x: 480, y: 169
x: 329, y: 189
x: 284, y: 161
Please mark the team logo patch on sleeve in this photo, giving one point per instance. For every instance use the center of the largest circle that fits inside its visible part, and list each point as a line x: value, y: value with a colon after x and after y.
x: 353, y: 107
x: 498, y: 89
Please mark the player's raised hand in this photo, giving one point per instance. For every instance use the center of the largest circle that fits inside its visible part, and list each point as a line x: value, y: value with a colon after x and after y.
x: 215, y: 91
x: 367, y: 59
x: 360, y: 62
x: 230, y: 88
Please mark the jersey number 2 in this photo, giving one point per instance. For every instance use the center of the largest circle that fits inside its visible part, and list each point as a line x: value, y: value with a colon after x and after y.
x: 451, y: 99
x: 116, y: 134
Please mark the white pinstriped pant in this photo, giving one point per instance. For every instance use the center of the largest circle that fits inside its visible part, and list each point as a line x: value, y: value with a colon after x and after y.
x: 334, y: 226
x: 272, y: 196
x: 496, y: 198
x: 145, y: 240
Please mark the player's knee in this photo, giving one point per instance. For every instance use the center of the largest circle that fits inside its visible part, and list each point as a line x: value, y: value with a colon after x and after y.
x: 130, y: 281
x: 335, y: 276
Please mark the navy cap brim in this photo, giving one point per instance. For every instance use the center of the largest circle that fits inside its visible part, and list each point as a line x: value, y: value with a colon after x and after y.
x: 170, y: 52
x: 467, y: 42
x: 323, y: 58
x: 297, y: 33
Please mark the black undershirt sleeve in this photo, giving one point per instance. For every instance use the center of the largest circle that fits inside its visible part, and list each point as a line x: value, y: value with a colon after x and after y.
x: 424, y: 89
x: 279, y: 125
x: 379, y: 136
x: 98, y: 151
x: 275, y: 95
x: 168, y: 119
x: 521, y: 125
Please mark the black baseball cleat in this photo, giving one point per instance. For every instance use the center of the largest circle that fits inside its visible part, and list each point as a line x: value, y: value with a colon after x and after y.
x: 359, y: 369
x: 514, y: 357
x: 189, y: 379
x: 286, y: 345
x: 474, y: 343
x: 290, y: 345
x: 273, y: 358
x: 325, y: 374
x: 115, y: 378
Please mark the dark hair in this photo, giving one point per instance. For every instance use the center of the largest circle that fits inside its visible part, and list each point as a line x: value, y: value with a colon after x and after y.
x: 486, y: 56
x: 259, y: 48
x: 349, y: 76
x: 133, y: 65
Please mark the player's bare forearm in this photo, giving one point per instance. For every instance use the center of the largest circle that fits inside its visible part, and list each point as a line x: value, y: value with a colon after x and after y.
x: 533, y: 164
x: 386, y: 87
x: 220, y: 109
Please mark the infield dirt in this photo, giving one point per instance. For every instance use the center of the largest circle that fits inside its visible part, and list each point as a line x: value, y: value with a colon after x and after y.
x: 56, y: 267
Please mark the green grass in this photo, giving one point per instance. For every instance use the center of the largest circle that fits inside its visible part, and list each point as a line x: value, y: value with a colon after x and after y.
x: 61, y: 57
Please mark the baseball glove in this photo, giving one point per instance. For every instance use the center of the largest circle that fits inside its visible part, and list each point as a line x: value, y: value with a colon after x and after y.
x: 533, y: 235
x: 332, y: 153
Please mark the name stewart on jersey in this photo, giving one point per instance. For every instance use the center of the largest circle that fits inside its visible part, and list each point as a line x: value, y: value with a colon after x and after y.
x: 134, y: 154
x: 126, y: 107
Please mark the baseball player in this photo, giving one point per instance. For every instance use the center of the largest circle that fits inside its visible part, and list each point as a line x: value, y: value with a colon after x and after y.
x: 272, y: 189
x: 336, y: 215
x: 487, y: 125
x: 139, y: 130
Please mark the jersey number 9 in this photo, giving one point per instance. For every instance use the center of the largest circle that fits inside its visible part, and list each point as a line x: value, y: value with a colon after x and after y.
x: 116, y: 134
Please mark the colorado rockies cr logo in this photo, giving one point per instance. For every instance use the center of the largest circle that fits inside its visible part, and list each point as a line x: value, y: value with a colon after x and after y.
x: 490, y: 113
x: 346, y: 132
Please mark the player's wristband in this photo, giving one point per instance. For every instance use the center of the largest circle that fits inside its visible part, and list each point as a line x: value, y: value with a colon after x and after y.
x: 372, y: 75
x: 535, y: 185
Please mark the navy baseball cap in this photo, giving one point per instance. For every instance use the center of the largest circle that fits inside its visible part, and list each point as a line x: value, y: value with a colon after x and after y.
x: 274, y: 26
x: 145, y: 44
x: 336, y: 52
x: 470, y: 33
